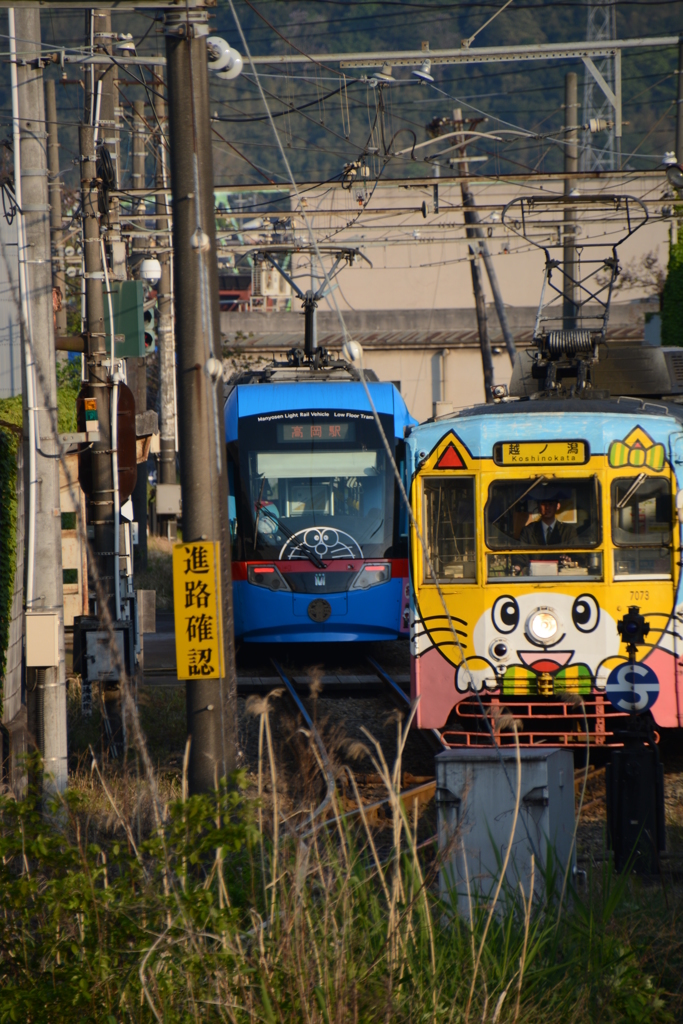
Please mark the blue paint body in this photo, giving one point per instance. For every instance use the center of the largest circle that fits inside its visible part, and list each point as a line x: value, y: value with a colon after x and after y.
x: 263, y: 616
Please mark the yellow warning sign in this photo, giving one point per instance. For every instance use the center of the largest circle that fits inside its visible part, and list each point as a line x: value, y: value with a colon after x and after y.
x: 197, y: 602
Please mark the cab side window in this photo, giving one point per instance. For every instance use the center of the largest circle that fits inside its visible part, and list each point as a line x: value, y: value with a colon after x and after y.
x: 449, y: 530
x: 642, y: 517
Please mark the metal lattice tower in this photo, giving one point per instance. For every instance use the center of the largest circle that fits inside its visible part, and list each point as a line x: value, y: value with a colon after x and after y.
x: 601, y: 152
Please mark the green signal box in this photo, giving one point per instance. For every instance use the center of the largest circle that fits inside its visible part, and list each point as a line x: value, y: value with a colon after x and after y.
x: 127, y: 300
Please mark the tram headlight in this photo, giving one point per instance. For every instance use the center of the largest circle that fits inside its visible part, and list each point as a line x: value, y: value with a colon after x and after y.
x: 268, y: 576
x: 543, y: 626
x: 371, y: 576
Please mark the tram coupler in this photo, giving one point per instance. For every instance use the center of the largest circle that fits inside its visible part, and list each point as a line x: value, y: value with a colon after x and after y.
x: 634, y: 779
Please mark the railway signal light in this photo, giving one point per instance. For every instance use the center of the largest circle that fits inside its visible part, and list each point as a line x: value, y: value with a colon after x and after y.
x: 150, y: 322
x: 633, y: 629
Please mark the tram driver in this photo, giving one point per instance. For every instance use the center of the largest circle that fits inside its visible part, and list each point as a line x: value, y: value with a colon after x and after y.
x: 547, y: 532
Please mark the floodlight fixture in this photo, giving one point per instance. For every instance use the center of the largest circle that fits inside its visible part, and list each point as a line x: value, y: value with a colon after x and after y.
x: 669, y: 158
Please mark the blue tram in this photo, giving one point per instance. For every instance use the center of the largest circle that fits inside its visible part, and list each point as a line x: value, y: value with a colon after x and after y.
x: 320, y: 546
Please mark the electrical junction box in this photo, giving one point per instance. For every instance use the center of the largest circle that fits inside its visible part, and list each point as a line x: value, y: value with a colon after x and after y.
x: 475, y: 811
x: 42, y: 639
x: 127, y: 299
x: 168, y: 500
x: 95, y: 650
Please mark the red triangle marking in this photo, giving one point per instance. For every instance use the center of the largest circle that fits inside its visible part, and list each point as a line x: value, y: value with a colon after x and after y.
x: 450, y: 459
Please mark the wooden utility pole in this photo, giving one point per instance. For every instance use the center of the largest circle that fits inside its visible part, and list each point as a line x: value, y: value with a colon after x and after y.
x: 46, y: 686
x: 211, y: 703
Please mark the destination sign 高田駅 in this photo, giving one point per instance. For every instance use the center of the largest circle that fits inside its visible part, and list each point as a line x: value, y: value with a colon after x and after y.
x: 325, y: 431
x: 540, y: 453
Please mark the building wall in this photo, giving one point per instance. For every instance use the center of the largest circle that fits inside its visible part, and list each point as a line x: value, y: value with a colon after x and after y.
x: 427, y: 376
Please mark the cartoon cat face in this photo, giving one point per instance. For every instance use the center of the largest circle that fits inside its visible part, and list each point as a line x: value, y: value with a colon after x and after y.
x: 542, y: 633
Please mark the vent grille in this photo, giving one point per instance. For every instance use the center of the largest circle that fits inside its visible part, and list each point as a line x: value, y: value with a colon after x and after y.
x: 676, y: 366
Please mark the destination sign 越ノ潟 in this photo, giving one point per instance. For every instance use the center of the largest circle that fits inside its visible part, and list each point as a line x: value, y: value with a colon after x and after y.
x: 540, y: 453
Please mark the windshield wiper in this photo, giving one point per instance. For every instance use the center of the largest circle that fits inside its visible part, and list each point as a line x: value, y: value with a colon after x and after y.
x: 541, y: 476
x: 639, y: 481
x: 311, y: 555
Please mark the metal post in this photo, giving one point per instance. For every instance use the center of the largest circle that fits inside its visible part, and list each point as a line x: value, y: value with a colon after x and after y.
x: 679, y: 105
x: 167, y: 466
x: 55, y: 192
x: 210, y: 703
x: 571, y: 166
x: 49, y: 683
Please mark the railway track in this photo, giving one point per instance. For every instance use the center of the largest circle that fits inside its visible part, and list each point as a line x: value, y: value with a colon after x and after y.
x: 348, y: 686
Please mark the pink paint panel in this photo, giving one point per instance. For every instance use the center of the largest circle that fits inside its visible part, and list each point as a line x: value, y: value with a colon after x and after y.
x: 665, y: 708
x: 433, y: 678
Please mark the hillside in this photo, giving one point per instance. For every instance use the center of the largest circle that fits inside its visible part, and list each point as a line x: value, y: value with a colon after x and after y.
x: 340, y: 116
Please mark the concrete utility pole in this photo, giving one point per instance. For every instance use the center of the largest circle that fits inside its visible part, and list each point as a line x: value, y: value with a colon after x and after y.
x: 211, y: 703
x: 571, y: 166
x: 476, y: 231
x: 139, y: 153
x: 472, y: 217
x: 477, y: 286
x: 137, y: 365
x: 101, y: 504
x: 55, y: 191
x: 108, y: 135
x: 482, y: 324
x: 167, y: 468
x: 46, y: 686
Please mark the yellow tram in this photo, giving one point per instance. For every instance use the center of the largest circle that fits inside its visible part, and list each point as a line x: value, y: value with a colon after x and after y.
x: 542, y: 522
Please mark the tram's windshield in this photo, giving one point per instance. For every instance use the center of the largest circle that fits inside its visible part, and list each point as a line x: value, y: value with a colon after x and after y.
x: 315, y: 482
x: 544, y: 523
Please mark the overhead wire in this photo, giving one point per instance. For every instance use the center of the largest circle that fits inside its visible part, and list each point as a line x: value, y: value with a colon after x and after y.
x: 385, y: 442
